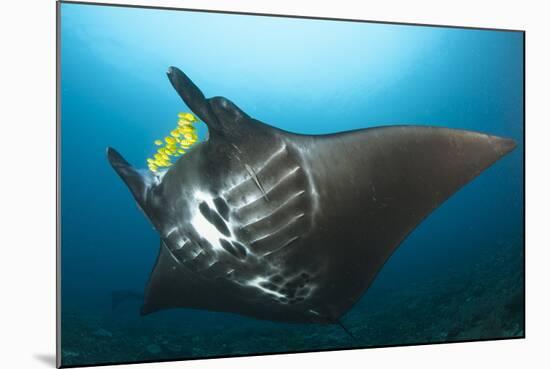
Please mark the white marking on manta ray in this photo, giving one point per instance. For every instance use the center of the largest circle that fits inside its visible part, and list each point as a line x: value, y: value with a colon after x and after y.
x: 256, y: 180
x: 256, y: 283
x: 253, y: 175
x: 278, y: 296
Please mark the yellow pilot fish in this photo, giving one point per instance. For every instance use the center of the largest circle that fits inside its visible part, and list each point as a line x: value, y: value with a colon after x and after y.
x: 175, y: 145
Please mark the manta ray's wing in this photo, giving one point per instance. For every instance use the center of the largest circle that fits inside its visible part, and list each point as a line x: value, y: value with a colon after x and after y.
x: 376, y: 185
x: 395, y: 176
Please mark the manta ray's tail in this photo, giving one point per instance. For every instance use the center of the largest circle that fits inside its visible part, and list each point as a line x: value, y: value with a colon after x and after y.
x: 339, y: 322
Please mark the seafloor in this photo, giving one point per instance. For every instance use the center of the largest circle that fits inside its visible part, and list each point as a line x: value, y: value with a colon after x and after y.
x: 485, y: 301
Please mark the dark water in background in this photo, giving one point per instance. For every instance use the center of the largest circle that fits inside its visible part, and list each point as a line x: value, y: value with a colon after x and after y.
x: 458, y: 276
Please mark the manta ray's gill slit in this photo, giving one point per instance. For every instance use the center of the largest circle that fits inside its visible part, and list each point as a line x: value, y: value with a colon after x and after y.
x: 180, y: 139
x: 269, y: 160
x: 221, y: 207
x: 234, y: 186
x: 171, y: 231
x: 174, y: 240
x: 214, y: 218
x: 278, y: 208
x: 235, y: 249
x: 181, y: 242
x: 285, y: 177
x: 287, y: 243
x: 207, y: 230
x: 171, y: 253
x: 280, y: 229
x: 209, y: 225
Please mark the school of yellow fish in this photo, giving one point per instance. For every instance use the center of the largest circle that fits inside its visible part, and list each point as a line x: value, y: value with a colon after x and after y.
x: 176, y: 144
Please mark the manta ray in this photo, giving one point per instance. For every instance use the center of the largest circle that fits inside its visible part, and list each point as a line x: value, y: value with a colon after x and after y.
x: 289, y: 227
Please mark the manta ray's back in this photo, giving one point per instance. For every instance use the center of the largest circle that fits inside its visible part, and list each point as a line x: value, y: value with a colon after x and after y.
x: 289, y: 227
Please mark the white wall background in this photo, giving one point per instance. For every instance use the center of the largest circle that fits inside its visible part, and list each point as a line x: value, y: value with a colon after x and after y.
x: 27, y: 182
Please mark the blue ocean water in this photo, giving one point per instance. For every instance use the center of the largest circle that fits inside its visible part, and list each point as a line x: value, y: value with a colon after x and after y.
x: 458, y: 276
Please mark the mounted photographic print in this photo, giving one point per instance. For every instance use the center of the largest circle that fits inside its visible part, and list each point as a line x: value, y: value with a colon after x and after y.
x: 235, y: 184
